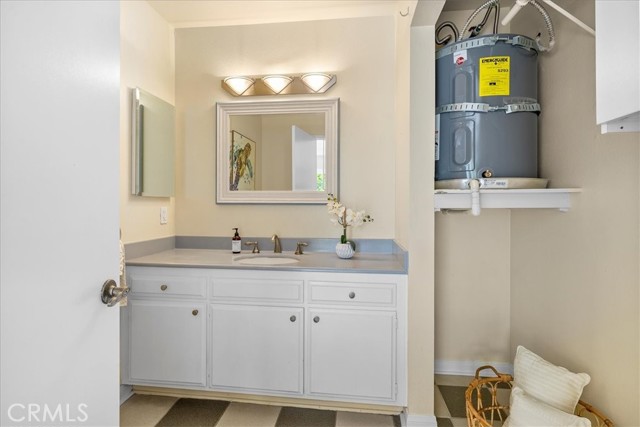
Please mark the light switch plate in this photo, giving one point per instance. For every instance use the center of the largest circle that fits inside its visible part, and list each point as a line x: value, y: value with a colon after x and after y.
x: 164, y: 215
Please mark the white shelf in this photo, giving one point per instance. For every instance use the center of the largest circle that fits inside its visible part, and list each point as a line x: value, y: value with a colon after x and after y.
x: 544, y: 198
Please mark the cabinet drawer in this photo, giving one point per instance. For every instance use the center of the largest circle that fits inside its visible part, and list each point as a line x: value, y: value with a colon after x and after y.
x: 263, y: 290
x: 174, y: 286
x: 353, y: 293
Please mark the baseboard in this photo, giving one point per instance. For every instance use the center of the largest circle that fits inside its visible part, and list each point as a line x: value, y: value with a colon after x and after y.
x: 126, y: 391
x: 408, y: 420
x: 468, y: 367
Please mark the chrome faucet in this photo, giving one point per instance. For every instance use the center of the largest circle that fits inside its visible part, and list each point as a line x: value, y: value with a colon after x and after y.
x: 277, y: 248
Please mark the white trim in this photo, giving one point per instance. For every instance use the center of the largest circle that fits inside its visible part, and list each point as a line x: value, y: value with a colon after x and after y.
x: 468, y: 367
x: 126, y: 391
x: 408, y: 420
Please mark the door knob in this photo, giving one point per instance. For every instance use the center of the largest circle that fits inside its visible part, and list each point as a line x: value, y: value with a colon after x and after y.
x: 316, y: 319
x: 111, y: 294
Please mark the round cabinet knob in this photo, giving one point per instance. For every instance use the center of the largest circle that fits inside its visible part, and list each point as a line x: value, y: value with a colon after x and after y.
x: 352, y: 295
x: 194, y: 312
x: 316, y: 319
x: 292, y: 318
x: 163, y: 287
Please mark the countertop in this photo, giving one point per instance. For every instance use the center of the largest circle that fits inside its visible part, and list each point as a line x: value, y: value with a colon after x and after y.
x: 385, y: 263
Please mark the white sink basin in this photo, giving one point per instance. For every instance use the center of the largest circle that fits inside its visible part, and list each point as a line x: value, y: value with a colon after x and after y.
x: 266, y: 259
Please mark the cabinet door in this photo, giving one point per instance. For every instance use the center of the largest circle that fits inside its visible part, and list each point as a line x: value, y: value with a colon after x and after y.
x: 257, y: 348
x: 167, y: 342
x: 352, y: 353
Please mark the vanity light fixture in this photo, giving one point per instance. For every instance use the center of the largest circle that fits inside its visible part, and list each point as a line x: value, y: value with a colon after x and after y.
x: 279, y: 84
x: 238, y: 84
x: 317, y: 81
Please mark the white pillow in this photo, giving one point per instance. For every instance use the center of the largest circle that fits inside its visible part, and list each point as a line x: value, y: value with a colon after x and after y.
x: 551, y: 384
x: 527, y: 411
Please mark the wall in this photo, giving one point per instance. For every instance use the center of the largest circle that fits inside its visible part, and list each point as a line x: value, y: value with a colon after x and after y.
x: 472, y: 288
x: 574, y: 276
x: 420, y: 238
x: 472, y: 275
x: 147, y: 61
x: 359, y: 51
x: 277, y: 151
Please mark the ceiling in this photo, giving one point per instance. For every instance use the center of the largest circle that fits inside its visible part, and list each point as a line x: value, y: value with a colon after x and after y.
x: 211, y: 13
x: 451, y: 5
x: 200, y: 13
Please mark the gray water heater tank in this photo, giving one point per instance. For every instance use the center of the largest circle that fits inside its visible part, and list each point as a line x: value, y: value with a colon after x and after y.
x: 487, y: 108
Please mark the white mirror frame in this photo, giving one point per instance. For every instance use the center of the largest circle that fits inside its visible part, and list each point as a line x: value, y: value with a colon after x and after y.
x: 224, y: 111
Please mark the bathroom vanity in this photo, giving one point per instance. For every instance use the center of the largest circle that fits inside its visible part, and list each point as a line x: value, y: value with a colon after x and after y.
x: 323, y: 328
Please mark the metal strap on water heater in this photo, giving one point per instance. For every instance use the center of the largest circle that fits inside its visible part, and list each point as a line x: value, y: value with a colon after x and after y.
x: 478, y: 107
x: 522, y: 41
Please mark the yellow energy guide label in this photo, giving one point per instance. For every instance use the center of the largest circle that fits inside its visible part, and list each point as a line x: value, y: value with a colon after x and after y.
x: 494, y: 76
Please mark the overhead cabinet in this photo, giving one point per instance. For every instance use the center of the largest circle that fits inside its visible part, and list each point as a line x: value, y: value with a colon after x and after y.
x: 618, y: 65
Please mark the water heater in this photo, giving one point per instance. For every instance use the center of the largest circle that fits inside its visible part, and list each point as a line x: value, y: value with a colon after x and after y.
x: 487, y: 112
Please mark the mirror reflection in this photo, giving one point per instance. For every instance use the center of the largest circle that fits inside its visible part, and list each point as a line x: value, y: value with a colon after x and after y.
x: 277, y: 152
x: 153, y: 145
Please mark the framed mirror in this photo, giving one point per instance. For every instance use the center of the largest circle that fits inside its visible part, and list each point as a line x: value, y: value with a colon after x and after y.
x: 152, y: 145
x: 277, y: 152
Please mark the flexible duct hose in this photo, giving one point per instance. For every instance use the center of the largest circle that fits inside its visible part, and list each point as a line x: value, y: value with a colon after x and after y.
x: 549, y: 24
x: 444, y: 40
x: 475, y: 13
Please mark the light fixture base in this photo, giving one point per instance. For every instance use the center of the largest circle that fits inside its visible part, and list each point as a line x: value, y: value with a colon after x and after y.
x: 295, y: 87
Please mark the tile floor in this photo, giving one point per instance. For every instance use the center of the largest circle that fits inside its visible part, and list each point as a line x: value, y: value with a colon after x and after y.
x: 152, y: 411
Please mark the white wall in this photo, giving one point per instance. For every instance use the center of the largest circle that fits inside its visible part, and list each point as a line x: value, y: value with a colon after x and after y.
x: 574, y: 276
x: 147, y: 55
x: 360, y: 51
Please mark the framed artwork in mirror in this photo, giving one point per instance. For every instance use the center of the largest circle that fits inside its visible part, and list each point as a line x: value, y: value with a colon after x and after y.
x: 242, y: 163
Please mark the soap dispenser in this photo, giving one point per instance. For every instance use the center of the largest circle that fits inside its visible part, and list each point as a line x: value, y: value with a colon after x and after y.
x: 236, y: 242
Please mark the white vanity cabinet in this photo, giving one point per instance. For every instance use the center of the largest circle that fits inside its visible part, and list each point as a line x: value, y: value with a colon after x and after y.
x: 167, y: 342
x: 357, y: 321
x: 256, y: 334
x: 313, y: 335
x: 166, y: 321
x: 352, y: 354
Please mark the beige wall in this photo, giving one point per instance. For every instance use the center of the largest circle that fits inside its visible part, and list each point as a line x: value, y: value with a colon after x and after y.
x: 472, y: 287
x: 147, y: 61
x: 359, y: 51
x: 471, y: 275
x: 276, y: 147
x: 420, y: 238
x: 574, y: 276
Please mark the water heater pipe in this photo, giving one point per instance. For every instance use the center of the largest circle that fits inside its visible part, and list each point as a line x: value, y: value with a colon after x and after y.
x: 474, y: 185
x: 521, y: 3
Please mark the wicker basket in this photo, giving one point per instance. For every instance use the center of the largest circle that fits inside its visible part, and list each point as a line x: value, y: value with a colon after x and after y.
x: 488, y: 406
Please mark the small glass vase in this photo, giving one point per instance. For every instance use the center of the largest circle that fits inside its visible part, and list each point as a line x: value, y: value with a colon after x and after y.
x: 345, y: 250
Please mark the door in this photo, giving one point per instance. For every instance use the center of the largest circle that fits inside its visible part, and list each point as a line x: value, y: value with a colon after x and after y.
x: 167, y: 342
x: 257, y: 348
x: 352, y: 353
x: 59, y: 212
x: 304, y: 152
